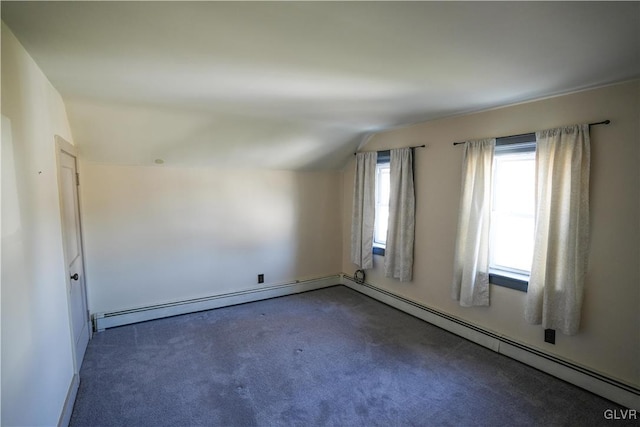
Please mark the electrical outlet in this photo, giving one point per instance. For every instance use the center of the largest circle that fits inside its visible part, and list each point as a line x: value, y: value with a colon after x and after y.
x: 260, y: 278
x: 550, y: 336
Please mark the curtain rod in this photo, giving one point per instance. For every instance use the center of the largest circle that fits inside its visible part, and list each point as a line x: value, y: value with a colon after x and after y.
x: 415, y: 146
x: 604, y: 122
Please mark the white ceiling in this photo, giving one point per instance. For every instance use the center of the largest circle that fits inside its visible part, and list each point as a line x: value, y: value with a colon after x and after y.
x: 297, y: 85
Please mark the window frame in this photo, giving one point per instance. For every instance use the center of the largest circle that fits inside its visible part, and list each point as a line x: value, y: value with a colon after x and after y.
x: 512, y: 144
x: 384, y: 157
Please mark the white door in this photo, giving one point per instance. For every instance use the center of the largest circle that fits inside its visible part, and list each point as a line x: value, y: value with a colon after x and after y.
x: 72, y: 237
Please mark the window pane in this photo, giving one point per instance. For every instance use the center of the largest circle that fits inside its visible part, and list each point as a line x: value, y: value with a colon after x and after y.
x: 382, y: 221
x: 513, y: 242
x: 514, y: 184
x: 512, y: 217
x: 383, y: 185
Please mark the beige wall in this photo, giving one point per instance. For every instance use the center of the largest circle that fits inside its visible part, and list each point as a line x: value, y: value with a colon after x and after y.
x: 158, y: 234
x: 609, y: 339
x: 37, y: 361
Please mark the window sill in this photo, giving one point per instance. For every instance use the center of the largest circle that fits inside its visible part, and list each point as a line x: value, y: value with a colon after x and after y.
x: 378, y: 250
x: 509, y: 280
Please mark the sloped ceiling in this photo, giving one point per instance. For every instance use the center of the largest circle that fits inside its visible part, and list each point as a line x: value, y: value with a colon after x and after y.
x: 299, y: 85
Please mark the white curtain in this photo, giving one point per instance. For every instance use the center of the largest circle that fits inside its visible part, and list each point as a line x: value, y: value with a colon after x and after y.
x: 471, y: 263
x: 398, y: 257
x: 554, y: 296
x: 363, y: 214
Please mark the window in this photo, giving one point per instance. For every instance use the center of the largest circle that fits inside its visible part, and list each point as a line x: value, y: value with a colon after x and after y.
x: 383, y: 187
x: 512, y: 212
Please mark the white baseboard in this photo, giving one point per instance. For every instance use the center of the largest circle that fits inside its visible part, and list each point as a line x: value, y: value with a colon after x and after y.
x: 597, y: 383
x: 69, y: 401
x: 103, y: 321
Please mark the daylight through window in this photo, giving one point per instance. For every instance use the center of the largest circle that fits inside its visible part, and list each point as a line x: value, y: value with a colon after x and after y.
x: 383, y: 185
x: 513, y: 209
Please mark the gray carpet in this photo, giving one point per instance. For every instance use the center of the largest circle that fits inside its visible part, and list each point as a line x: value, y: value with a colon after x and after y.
x: 329, y: 357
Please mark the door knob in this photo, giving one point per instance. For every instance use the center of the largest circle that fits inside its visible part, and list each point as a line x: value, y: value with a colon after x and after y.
x: 74, y: 277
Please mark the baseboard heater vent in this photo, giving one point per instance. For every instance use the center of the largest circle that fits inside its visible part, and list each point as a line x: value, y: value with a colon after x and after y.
x: 595, y: 382
x: 102, y: 321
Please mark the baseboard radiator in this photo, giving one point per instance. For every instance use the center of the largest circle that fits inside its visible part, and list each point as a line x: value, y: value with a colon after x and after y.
x: 102, y: 321
x: 597, y: 383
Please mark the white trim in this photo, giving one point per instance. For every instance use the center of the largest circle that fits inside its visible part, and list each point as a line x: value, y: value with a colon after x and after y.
x: 595, y: 382
x: 103, y: 321
x: 67, y: 409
